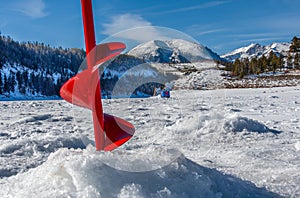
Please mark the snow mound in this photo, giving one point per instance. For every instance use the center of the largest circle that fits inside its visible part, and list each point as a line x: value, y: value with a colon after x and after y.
x: 86, y: 173
x: 32, y: 152
x: 297, y: 146
x: 206, y: 79
x: 34, y: 118
x: 237, y: 123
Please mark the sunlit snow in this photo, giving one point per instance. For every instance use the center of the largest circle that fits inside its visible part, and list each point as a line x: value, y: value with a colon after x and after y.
x: 208, y: 143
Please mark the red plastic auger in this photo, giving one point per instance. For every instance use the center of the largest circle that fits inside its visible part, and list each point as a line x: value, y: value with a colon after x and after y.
x: 84, y: 89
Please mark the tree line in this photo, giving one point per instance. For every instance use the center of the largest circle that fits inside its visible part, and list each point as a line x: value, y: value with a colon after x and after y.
x: 32, y: 68
x: 266, y: 63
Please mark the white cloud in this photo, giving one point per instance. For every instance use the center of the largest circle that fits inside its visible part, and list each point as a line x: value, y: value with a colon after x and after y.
x: 143, y: 29
x: 257, y: 40
x: 133, y: 29
x: 196, y: 7
x: 124, y: 22
x: 32, y: 8
x: 200, y: 30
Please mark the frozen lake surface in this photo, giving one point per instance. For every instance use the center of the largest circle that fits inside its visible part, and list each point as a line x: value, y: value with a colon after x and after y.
x: 215, y: 143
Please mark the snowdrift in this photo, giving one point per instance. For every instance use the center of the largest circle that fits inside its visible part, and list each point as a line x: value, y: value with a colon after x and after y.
x: 86, y: 173
x: 228, y: 143
x: 237, y: 123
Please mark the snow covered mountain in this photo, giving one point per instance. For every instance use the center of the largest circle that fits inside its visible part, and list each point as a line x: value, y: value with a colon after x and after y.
x: 144, y: 67
x: 127, y: 76
x: 161, y: 51
x: 39, y: 73
x: 257, y: 50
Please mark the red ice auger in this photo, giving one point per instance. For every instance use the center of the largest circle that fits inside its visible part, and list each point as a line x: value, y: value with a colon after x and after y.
x: 84, y: 89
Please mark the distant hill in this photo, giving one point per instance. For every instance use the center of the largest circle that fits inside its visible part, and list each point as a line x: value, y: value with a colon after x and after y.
x: 150, y: 65
x: 260, y: 60
x: 161, y: 51
x: 31, y: 70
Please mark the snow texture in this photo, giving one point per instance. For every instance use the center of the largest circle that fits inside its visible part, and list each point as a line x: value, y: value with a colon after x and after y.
x: 256, y: 50
x: 161, y: 51
x: 205, y: 143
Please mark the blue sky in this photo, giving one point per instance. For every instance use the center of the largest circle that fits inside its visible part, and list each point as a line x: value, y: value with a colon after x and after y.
x: 221, y: 25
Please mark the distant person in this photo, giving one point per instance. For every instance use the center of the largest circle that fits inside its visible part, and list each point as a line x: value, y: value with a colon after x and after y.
x: 165, y: 94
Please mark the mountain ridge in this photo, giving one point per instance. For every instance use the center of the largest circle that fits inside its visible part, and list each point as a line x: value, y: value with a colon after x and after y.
x: 161, y: 51
x: 255, y: 50
x: 37, y: 71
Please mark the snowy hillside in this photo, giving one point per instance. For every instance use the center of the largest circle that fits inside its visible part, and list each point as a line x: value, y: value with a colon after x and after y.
x: 130, y: 76
x: 21, y: 83
x: 161, y: 51
x: 216, y: 143
x: 150, y: 63
x: 257, y: 50
x: 32, y: 70
x: 37, y: 71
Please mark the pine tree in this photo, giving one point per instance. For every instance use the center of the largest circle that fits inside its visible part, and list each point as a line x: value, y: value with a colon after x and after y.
x: 236, y: 67
x: 5, y: 85
x: 297, y: 61
x: 40, y: 83
x: 274, y: 62
x: 22, y: 89
x: 289, y: 60
x: 262, y: 63
x: 253, y: 66
x: 25, y: 78
x: 57, y: 86
x: 281, y: 62
x: 50, y: 87
x: 11, y: 83
x: 1, y: 84
x: 39, y: 58
x: 247, y: 66
x: 295, y: 46
x: 19, y: 78
x: 31, y: 80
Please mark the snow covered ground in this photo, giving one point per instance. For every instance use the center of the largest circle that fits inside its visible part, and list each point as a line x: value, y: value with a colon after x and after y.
x: 206, y: 143
x: 213, y: 78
